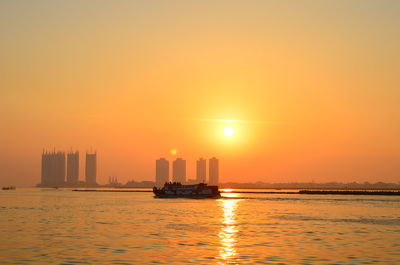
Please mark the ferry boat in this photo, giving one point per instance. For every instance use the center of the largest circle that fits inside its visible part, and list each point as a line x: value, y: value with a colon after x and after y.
x: 177, y: 190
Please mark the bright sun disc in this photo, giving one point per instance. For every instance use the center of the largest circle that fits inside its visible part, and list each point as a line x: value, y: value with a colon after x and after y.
x: 228, y: 132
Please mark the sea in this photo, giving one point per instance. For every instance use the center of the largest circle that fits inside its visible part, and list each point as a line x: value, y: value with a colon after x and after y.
x: 61, y: 226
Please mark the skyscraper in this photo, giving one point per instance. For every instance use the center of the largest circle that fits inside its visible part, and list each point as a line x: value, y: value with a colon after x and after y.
x: 179, y: 170
x: 213, y: 174
x: 201, y: 170
x: 91, y: 169
x: 73, y: 168
x: 162, y: 172
x: 53, y: 169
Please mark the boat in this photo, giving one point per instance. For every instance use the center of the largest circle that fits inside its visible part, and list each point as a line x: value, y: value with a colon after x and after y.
x: 178, y: 190
x: 8, y: 188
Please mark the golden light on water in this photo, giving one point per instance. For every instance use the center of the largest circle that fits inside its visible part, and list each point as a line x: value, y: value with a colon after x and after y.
x: 228, y: 232
x: 228, y: 193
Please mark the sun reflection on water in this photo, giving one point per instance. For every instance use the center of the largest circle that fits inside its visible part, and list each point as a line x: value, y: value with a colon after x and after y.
x: 227, y: 234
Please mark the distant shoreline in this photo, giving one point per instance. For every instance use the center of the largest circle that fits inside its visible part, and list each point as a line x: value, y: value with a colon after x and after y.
x: 257, y: 185
x: 305, y: 192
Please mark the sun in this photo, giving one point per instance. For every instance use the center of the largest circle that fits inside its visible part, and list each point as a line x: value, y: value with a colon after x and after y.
x: 173, y: 152
x: 229, y: 132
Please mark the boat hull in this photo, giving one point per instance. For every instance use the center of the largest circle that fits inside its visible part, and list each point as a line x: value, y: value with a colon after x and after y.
x: 166, y: 196
x: 196, y: 191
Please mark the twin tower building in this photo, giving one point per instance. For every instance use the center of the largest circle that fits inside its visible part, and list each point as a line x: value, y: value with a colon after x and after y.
x: 179, y: 171
x: 56, y: 172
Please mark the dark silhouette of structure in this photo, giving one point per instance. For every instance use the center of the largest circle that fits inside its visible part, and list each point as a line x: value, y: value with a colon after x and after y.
x: 91, y: 169
x: 113, y: 182
x: 179, y: 170
x: 312, y: 185
x: 162, y: 172
x: 73, y: 168
x: 178, y: 190
x: 201, y: 170
x: 213, y: 174
x: 53, y: 169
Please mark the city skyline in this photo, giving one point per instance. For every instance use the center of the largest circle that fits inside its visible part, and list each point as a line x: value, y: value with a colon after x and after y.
x: 179, y: 172
x: 72, y: 172
x: 60, y: 170
x: 59, y: 175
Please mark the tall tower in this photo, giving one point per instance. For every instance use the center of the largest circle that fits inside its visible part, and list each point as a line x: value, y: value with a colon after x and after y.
x: 162, y: 172
x: 46, y: 169
x: 213, y: 171
x: 45, y: 177
x: 53, y: 169
x: 73, y: 168
x: 179, y: 170
x: 91, y: 169
x: 201, y: 170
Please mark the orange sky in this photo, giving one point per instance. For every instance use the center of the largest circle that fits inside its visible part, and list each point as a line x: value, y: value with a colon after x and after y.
x: 316, y: 83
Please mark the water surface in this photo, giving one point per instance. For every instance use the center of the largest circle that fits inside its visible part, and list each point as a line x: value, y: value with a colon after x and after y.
x: 47, y: 226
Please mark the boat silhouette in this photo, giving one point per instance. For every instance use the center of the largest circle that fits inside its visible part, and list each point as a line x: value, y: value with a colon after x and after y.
x: 178, y: 190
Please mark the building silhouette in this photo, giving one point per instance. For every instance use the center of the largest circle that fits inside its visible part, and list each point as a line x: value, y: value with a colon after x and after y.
x: 179, y: 170
x: 53, y: 169
x: 213, y: 172
x: 91, y: 169
x: 201, y: 170
x: 113, y: 182
x: 73, y: 168
x: 162, y: 172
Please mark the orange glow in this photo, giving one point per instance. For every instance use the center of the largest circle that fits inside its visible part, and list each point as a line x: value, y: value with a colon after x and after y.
x: 230, y: 195
x: 231, y: 80
x: 228, y: 233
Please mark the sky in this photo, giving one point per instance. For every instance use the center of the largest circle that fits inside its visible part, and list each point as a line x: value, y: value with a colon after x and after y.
x: 309, y: 89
